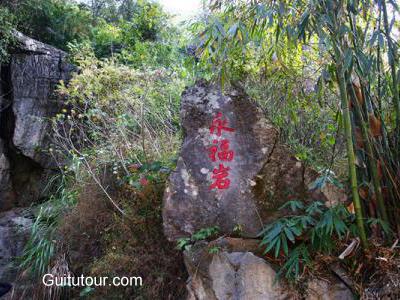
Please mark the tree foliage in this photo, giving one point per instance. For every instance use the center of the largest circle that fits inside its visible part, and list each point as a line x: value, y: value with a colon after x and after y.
x: 55, y: 22
x: 6, y: 27
x: 108, y: 26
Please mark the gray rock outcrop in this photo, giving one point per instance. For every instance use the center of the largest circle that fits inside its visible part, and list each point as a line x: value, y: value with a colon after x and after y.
x: 232, y: 171
x: 15, y: 226
x: 27, y: 102
x: 36, y: 69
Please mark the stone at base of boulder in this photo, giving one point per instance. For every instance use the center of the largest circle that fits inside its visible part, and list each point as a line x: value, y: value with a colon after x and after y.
x: 234, y: 271
x: 236, y: 275
x: 229, y: 273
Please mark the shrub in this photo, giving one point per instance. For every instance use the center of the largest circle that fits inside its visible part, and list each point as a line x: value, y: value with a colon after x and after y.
x: 118, y: 117
x: 308, y: 231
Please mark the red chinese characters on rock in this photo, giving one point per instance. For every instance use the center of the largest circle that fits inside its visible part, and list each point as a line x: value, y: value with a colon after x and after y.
x: 225, y: 154
x: 220, y: 176
x: 220, y: 151
x: 219, y: 124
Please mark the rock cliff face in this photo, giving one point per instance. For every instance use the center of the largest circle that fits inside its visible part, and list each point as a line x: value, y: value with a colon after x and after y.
x: 26, y: 102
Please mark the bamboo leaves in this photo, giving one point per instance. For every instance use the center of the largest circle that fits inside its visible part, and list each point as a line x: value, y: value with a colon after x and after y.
x: 296, y: 237
x: 301, y: 31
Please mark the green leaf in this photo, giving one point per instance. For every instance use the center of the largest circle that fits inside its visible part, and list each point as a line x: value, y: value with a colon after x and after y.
x: 277, y: 247
x: 276, y: 230
x: 381, y: 41
x: 293, y: 204
x: 155, y: 166
x: 348, y: 59
x: 373, y: 38
x: 314, y: 208
x: 303, y: 24
x: 289, y: 234
x: 297, y: 231
x: 285, y: 245
x: 233, y: 30
x: 271, y: 245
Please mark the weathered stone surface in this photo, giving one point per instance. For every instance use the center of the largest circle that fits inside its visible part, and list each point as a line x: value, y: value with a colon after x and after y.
x: 263, y: 174
x: 14, y: 231
x: 230, y: 275
x: 27, y: 102
x: 36, y: 69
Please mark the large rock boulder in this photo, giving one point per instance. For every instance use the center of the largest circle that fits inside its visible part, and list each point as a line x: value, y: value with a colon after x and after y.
x: 232, y: 171
x: 27, y: 102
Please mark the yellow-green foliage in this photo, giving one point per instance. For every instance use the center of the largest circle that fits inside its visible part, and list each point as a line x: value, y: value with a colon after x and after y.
x: 118, y: 120
x: 123, y: 113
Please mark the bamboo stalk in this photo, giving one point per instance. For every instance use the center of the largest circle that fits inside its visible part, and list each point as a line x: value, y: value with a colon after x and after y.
x: 392, y: 57
x: 350, y: 148
x: 362, y: 114
x: 370, y: 159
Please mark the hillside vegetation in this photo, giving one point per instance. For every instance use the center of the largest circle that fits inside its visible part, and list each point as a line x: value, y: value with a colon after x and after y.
x: 325, y: 72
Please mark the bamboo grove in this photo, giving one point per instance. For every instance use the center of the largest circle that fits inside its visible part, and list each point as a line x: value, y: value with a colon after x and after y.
x: 355, y: 41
